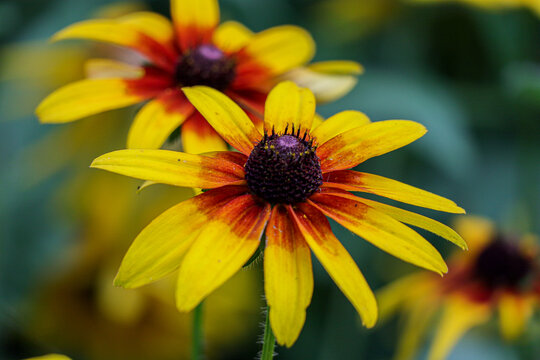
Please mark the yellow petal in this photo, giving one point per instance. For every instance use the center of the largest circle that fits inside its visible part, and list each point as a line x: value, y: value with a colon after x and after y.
x: 223, y: 246
x: 354, y: 146
x: 418, y: 220
x: 396, y: 295
x: 171, y: 167
x: 128, y: 34
x: 357, y: 181
x: 289, y: 107
x: 158, y: 119
x: 337, y: 67
x: 459, y: 315
x: 417, y: 321
x: 336, y: 260
x: 50, y: 357
x: 288, y: 276
x: 328, y: 80
x: 159, y: 248
x: 194, y: 21
x: 381, y: 230
x: 339, y: 123
x: 152, y: 24
x: 231, y: 36
x: 514, y: 313
x: 84, y: 98
x: 476, y: 230
x: 107, y: 68
x: 199, y: 137
x: 226, y: 117
x: 280, y: 48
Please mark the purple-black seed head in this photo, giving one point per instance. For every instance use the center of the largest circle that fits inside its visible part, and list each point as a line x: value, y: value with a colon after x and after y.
x: 502, y: 263
x: 205, y: 65
x: 284, y: 169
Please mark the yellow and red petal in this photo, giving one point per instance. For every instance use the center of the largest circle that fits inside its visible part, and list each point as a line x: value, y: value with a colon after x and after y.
x: 127, y: 34
x: 223, y: 246
x: 336, y: 260
x: 252, y: 101
x: 459, y: 316
x: 288, y: 107
x: 194, y: 21
x: 158, y: 119
x: 108, y: 68
x: 337, y: 124
x: 328, y: 80
x: 278, y: 49
x: 86, y: 97
x: 232, y: 156
x: 152, y: 84
x: 160, y: 247
x: 225, y: 116
x: 358, y: 181
x: 231, y: 36
x: 381, y: 230
x: 423, y: 222
x: 172, y: 167
x: 288, y: 276
x: 199, y: 137
x: 515, y: 310
x: 354, y: 146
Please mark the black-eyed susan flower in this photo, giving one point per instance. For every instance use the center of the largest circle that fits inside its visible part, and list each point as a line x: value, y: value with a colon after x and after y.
x: 499, y: 276
x: 288, y: 179
x: 193, y: 50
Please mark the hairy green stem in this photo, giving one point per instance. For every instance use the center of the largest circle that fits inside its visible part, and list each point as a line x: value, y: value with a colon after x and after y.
x: 269, y: 341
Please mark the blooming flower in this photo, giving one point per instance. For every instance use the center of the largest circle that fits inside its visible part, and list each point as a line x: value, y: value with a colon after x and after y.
x: 289, y: 180
x: 499, y: 273
x: 193, y: 50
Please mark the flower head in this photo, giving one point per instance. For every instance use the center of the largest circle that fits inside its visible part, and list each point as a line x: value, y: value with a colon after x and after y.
x: 288, y: 179
x: 193, y: 50
x: 499, y: 273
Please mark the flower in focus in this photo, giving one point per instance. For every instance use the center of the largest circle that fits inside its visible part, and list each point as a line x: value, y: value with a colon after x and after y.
x: 287, y: 180
x: 500, y: 274
x: 193, y: 50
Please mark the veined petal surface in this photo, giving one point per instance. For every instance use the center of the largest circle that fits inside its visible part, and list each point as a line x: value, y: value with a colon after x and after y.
x: 358, y: 181
x: 381, y: 230
x: 336, y: 260
x: 223, y: 246
x: 84, y: 98
x: 355, y: 146
x: 227, y: 118
x: 171, y: 167
x: 288, y: 276
x: 289, y: 107
x: 159, y: 248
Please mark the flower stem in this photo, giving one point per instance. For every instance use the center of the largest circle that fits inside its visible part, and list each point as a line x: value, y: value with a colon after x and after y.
x: 269, y: 341
x: 197, y: 333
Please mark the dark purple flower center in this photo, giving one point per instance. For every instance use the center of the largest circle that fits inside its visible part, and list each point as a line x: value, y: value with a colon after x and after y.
x: 205, y: 65
x: 284, y: 169
x: 502, y: 264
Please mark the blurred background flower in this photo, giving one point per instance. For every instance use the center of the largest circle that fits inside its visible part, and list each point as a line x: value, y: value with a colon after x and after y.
x: 470, y: 74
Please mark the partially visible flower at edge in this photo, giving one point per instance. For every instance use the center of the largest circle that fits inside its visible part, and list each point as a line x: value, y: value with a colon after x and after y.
x: 533, y: 5
x: 287, y: 180
x: 499, y: 273
x: 50, y: 357
x: 193, y: 50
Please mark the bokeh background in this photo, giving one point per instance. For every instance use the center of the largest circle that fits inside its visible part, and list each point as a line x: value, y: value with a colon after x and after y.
x: 470, y: 73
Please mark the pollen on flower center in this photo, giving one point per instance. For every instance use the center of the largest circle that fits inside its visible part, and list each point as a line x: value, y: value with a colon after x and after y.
x: 502, y: 264
x: 284, y: 169
x: 205, y: 65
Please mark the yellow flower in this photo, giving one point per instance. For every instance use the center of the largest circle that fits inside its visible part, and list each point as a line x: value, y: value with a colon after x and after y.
x: 193, y: 50
x: 287, y: 180
x: 50, y: 357
x: 498, y: 274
